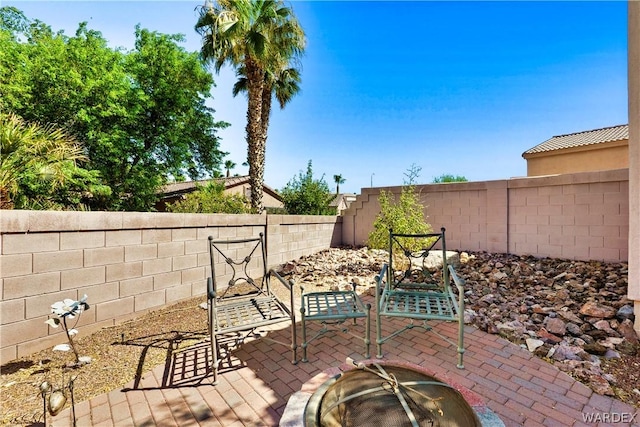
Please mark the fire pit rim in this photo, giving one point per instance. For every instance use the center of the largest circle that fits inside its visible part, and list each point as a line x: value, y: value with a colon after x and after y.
x: 313, y: 404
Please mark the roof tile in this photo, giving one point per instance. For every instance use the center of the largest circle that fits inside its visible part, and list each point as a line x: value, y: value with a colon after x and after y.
x: 579, y: 139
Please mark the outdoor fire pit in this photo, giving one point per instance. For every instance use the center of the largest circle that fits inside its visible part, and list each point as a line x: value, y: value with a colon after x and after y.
x: 394, y: 395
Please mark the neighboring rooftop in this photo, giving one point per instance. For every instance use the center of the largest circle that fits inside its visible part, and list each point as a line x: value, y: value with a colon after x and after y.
x: 579, y: 139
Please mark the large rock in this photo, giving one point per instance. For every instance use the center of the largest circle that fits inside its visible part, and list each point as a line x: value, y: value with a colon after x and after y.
x: 434, y: 260
x: 625, y: 312
x: 601, y: 311
x: 555, y: 326
x: 626, y: 330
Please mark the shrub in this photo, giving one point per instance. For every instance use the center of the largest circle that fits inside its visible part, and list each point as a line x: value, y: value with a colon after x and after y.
x: 304, y: 195
x: 449, y: 178
x: 211, y: 199
x: 406, y: 216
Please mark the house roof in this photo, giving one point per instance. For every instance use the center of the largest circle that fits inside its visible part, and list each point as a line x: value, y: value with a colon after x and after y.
x: 347, y: 197
x: 580, y: 139
x: 176, y: 188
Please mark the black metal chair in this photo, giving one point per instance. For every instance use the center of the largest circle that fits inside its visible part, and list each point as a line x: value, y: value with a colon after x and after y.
x: 407, y: 288
x: 246, y: 302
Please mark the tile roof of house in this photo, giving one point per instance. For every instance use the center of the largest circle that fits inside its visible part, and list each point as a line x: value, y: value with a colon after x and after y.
x: 579, y: 139
x: 177, y: 188
x: 186, y: 186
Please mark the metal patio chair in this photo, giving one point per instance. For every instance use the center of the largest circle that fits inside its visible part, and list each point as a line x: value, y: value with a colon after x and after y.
x: 333, y: 309
x: 406, y: 288
x: 239, y: 295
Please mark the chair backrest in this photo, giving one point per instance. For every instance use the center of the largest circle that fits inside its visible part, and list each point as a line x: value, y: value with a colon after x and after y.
x: 241, y: 263
x: 409, y: 261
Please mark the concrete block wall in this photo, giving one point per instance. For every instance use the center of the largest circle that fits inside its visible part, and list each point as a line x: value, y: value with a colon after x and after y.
x: 126, y: 262
x: 576, y: 216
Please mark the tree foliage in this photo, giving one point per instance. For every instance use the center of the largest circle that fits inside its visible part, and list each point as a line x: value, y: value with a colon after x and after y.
x: 41, y: 168
x: 211, y: 199
x: 304, y: 195
x: 449, y: 178
x: 261, y: 40
x: 141, y: 115
x: 405, y: 216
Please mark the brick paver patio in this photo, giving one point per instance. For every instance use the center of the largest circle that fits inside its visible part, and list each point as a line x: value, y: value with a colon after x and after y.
x: 258, y: 380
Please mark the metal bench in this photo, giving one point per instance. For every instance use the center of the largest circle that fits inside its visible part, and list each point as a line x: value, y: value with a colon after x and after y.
x: 406, y: 288
x: 236, y: 310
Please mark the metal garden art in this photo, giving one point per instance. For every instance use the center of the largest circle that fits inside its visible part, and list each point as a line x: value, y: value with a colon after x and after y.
x: 55, y: 397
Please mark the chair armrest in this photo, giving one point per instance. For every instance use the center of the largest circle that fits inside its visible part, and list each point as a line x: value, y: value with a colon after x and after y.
x: 381, y: 277
x: 457, y: 280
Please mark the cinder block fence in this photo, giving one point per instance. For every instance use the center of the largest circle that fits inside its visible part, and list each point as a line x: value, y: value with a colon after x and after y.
x: 129, y: 263
x: 126, y: 262
x: 583, y: 216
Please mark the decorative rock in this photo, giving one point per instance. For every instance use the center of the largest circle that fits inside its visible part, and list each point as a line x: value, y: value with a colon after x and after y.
x: 612, y: 354
x: 548, y: 337
x: 626, y: 330
x: 596, y: 349
x: 469, y: 316
x: 533, y: 344
x: 604, y: 325
x: 569, y: 316
x: 600, y: 385
x: 573, y: 329
x: 625, y: 313
x: 565, y: 352
x: 601, y: 311
x: 500, y: 276
x: 555, y: 326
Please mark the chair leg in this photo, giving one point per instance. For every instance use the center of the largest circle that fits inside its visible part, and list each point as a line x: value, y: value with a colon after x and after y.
x: 214, y: 347
x: 294, y: 343
x: 304, y: 336
x: 216, y: 362
x: 367, y: 333
x: 460, y: 364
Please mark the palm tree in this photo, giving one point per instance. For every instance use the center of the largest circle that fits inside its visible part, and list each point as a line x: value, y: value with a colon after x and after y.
x: 283, y: 82
x: 338, y: 179
x: 39, y: 166
x: 257, y: 38
x: 228, y: 165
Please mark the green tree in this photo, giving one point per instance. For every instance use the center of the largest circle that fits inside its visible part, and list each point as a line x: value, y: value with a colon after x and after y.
x: 40, y: 168
x: 304, y: 195
x: 338, y: 179
x: 259, y: 39
x: 406, y: 215
x: 211, y: 199
x: 449, y: 178
x: 141, y: 115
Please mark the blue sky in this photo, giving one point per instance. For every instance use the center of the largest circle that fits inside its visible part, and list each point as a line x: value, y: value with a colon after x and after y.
x: 460, y: 88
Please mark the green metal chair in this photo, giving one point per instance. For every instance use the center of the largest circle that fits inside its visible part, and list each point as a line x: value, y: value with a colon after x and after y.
x: 333, y: 309
x: 246, y: 302
x: 407, y: 289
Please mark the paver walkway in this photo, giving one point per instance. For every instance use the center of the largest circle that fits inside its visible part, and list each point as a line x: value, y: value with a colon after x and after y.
x: 256, y: 383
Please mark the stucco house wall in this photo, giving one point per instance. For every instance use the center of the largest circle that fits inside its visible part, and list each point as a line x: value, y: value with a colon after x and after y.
x: 606, y: 156
x: 586, y: 151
